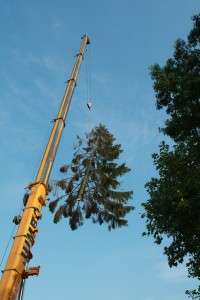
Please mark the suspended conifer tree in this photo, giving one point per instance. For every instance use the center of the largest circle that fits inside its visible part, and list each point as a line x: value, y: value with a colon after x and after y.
x: 90, y: 188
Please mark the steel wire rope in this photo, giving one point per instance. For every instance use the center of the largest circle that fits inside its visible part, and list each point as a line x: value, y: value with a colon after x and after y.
x: 44, y: 141
x: 87, y: 89
x: 11, y: 235
x: 88, y: 84
x: 22, y: 286
x: 31, y: 177
x: 90, y: 73
x: 8, y: 243
x: 87, y: 80
x: 40, y: 153
x: 22, y: 289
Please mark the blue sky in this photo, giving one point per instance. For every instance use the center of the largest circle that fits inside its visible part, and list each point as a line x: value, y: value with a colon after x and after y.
x: 38, y: 42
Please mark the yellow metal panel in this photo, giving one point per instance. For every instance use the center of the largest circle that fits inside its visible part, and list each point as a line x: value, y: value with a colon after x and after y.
x: 20, y: 253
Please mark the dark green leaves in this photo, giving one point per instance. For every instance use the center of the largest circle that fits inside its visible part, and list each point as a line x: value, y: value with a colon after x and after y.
x: 177, y: 87
x: 174, y: 197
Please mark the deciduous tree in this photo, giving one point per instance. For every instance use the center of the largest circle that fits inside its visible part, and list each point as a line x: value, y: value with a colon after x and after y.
x: 173, y: 209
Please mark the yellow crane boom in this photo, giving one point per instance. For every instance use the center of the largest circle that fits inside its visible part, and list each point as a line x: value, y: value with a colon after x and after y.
x: 16, y: 267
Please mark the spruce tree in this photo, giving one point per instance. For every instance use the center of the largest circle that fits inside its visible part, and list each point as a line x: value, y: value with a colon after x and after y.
x: 90, y: 186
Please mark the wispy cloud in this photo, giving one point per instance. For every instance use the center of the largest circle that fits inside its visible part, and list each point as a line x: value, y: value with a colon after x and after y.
x: 48, y: 61
x: 171, y: 274
x: 57, y: 23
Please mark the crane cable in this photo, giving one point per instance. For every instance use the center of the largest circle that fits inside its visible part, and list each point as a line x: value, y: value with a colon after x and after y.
x: 88, y: 83
x: 22, y: 285
x: 21, y: 290
x: 7, y: 245
x: 44, y: 139
x: 11, y: 235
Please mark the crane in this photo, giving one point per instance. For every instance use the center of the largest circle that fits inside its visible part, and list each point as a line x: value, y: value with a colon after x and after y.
x: 16, y: 269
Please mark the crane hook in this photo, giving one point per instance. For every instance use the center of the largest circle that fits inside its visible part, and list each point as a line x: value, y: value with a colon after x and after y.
x: 89, y: 104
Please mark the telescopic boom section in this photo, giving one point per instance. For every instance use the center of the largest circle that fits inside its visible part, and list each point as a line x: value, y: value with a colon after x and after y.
x: 16, y: 267
x: 49, y: 155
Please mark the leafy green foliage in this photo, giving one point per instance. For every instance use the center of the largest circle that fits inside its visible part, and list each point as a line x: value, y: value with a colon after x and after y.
x: 177, y: 87
x: 174, y: 205
x: 90, y: 188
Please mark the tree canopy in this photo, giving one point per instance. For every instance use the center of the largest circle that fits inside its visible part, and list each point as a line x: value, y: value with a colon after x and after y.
x: 173, y: 207
x: 90, y: 187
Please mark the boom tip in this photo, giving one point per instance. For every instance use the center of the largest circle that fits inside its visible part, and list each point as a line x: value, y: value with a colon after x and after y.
x: 88, y: 40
